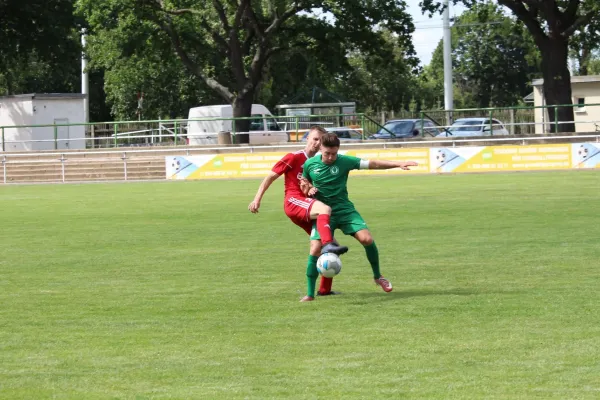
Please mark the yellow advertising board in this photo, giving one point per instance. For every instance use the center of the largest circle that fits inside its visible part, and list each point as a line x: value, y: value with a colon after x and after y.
x: 221, y: 166
x: 431, y: 160
x: 501, y: 158
x: 585, y: 155
x: 420, y: 155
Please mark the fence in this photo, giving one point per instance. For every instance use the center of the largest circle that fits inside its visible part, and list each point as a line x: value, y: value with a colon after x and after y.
x: 149, y: 163
x: 517, y: 120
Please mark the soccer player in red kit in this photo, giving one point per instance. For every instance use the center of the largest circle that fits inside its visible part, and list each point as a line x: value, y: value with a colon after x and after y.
x: 302, y: 210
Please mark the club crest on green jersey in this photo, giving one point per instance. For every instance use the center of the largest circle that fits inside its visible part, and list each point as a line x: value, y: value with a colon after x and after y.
x: 334, y: 170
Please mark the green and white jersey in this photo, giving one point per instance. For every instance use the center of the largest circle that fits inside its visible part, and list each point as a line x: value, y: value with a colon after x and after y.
x: 331, y: 180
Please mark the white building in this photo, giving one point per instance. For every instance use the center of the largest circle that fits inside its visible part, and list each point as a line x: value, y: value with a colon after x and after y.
x: 21, y: 114
x: 586, y: 96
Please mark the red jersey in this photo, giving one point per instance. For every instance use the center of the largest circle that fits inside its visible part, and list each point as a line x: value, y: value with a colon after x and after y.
x: 291, y: 166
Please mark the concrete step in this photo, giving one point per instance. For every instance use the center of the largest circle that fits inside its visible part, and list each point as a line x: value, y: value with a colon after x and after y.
x: 77, y: 177
x: 74, y: 170
x: 57, y: 164
x: 40, y: 168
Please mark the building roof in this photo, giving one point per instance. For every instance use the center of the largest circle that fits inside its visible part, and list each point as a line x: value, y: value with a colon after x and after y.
x: 315, y: 105
x: 574, y: 79
x: 529, y: 98
x: 45, y: 96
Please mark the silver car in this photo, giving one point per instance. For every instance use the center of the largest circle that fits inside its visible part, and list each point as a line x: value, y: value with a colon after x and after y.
x: 345, y: 134
x: 465, y: 127
x: 405, y: 128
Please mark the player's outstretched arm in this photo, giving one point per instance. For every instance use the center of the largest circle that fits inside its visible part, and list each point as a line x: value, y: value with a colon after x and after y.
x: 269, y: 179
x: 385, y: 164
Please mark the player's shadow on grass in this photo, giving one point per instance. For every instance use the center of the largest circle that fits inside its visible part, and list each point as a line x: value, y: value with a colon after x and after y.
x: 399, y: 294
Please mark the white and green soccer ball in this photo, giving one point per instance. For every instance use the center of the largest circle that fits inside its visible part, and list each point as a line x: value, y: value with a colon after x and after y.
x: 329, y: 265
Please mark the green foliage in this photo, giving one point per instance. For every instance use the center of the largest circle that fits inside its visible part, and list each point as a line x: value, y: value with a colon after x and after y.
x: 39, y: 50
x: 585, y: 43
x: 431, y: 80
x: 594, y: 66
x: 551, y: 25
x: 380, y: 78
x: 40, y: 25
x: 493, y: 59
x: 27, y: 73
x: 234, y: 50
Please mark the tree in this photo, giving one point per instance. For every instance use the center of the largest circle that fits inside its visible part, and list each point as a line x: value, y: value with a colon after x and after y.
x: 551, y: 23
x: 584, y: 42
x: 40, y: 36
x: 495, y: 58
x: 594, y: 65
x: 431, y: 81
x: 384, y: 80
x: 151, y: 71
x: 29, y: 73
x: 229, y: 45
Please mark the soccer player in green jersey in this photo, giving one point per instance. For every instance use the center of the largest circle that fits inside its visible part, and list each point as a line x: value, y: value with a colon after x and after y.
x: 327, y: 175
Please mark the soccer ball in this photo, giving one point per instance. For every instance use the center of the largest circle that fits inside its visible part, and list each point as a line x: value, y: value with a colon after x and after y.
x: 329, y: 265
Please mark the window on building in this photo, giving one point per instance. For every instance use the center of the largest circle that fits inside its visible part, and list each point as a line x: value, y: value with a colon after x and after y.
x: 580, y: 101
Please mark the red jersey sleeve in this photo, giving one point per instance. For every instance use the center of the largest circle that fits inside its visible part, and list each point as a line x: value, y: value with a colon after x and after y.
x: 284, y: 165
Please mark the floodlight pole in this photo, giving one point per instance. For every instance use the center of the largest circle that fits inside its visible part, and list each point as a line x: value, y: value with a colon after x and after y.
x: 85, y: 83
x: 448, y: 92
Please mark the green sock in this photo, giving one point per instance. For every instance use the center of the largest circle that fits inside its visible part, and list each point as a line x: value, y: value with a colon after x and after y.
x: 373, y: 257
x: 311, y: 275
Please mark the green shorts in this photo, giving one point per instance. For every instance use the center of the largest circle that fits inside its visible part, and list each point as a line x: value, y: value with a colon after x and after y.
x: 349, y: 223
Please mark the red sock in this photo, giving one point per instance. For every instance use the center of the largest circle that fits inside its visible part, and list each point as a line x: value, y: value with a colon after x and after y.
x: 324, y: 229
x: 326, y: 284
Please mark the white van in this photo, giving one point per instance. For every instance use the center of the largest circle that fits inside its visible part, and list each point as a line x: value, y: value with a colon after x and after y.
x: 263, y: 127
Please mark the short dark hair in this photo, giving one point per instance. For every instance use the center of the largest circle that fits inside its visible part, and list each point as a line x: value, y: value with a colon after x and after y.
x: 330, y: 140
x: 317, y: 128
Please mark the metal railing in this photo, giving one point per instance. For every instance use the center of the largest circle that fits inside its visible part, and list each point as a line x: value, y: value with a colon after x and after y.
x: 127, y: 157
x: 152, y: 133
x: 520, y: 120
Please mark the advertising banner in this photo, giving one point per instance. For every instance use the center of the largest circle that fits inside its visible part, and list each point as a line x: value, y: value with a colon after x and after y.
x: 431, y: 160
x: 586, y: 155
x: 501, y: 158
x: 219, y: 166
x: 420, y: 155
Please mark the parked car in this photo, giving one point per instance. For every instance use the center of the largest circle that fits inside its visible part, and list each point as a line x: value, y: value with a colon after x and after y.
x: 345, y: 134
x: 475, y: 127
x: 405, y: 128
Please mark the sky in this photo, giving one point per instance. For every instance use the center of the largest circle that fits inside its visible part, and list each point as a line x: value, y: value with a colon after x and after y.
x: 428, y: 31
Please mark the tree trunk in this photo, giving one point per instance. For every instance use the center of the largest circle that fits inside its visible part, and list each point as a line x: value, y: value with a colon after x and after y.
x: 557, y: 83
x: 242, y: 107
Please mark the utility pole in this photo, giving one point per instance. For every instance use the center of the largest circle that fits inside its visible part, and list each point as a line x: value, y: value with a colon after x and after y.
x: 448, y: 92
x: 85, y: 83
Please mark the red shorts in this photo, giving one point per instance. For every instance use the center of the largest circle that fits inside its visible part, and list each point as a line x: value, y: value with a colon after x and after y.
x: 298, y: 210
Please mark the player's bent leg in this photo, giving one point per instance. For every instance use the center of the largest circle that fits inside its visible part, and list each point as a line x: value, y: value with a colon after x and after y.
x: 319, y: 208
x: 364, y: 237
x: 321, y: 212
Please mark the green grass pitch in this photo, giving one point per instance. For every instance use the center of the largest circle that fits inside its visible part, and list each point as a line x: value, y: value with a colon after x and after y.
x: 173, y: 290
